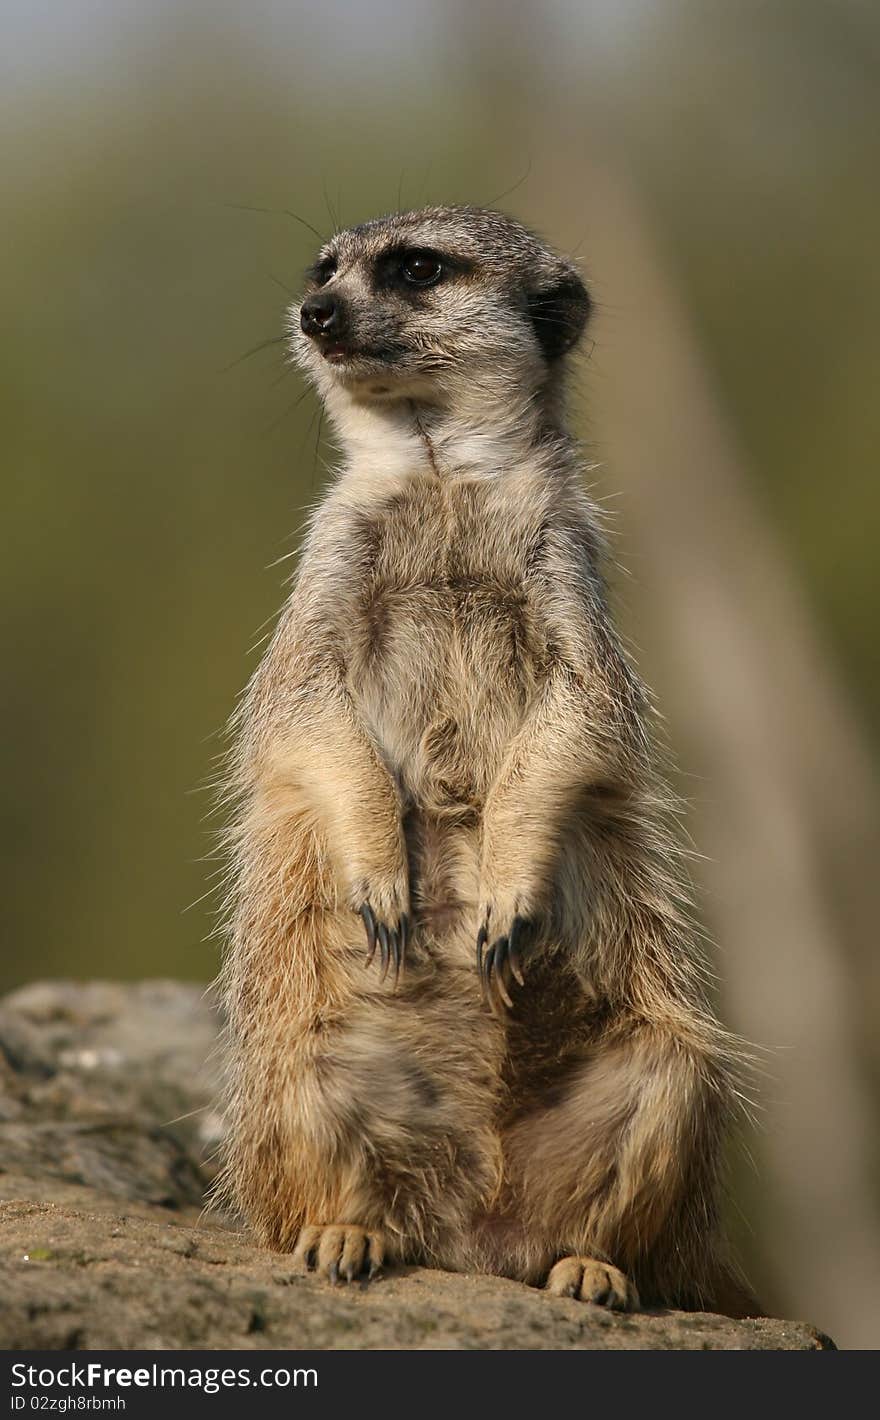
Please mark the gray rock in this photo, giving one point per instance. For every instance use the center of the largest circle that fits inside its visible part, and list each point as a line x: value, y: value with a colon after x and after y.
x: 109, y: 1087
x: 107, y: 1133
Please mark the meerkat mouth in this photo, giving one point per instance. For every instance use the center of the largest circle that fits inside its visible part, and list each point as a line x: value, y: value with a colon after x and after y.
x: 340, y: 353
x: 358, y: 360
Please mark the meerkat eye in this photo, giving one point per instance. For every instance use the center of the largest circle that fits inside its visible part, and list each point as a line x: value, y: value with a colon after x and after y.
x: 324, y: 271
x: 421, y: 268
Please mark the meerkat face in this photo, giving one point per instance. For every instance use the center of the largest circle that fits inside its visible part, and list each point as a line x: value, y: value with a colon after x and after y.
x: 409, y: 306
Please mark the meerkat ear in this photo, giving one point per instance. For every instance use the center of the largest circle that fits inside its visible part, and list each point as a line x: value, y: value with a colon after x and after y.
x: 559, y: 311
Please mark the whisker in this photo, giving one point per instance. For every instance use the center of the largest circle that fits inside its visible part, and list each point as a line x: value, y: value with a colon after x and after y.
x: 282, y: 285
x: 201, y: 1110
x: 274, y: 212
x: 284, y: 413
x: 333, y: 217
x: 424, y: 184
x: 285, y: 371
x: 317, y: 447
x: 508, y: 190
x: 254, y: 350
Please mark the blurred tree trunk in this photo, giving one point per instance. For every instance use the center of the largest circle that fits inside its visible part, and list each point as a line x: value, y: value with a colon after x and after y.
x: 786, y: 802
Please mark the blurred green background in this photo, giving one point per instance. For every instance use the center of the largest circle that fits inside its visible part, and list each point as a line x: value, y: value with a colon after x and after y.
x: 152, y: 479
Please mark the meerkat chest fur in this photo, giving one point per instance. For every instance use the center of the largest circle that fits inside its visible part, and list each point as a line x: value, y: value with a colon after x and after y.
x: 448, y: 648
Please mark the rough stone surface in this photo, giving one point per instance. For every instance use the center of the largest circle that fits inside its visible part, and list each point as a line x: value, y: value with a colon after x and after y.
x: 106, y: 1136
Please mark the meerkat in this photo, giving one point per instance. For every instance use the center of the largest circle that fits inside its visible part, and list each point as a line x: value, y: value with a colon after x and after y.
x: 467, y: 1025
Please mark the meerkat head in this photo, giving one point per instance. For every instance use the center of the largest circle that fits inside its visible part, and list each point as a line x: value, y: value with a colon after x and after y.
x: 425, y: 305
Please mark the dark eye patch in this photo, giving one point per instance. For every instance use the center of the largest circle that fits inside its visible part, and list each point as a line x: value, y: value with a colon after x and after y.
x: 322, y: 271
x: 413, y: 270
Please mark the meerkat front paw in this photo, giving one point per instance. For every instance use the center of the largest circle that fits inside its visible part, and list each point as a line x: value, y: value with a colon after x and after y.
x: 391, y: 941
x: 384, y: 909
x: 340, y: 1251
x: 592, y: 1281
x: 501, y: 945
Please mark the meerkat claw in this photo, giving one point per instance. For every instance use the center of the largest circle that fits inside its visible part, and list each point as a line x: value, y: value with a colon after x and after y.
x: 390, y: 941
x: 376, y: 1254
x: 401, y: 938
x: 489, y: 960
x: 500, y: 960
x: 384, y: 950
x: 485, y: 965
x: 394, y: 936
x: 514, y: 955
x: 369, y: 917
x: 482, y: 939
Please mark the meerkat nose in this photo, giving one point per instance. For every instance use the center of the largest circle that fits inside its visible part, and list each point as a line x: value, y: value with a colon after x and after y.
x: 320, y: 315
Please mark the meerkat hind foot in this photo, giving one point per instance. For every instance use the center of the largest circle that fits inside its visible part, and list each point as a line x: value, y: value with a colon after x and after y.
x: 590, y: 1281
x: 339, y: 1252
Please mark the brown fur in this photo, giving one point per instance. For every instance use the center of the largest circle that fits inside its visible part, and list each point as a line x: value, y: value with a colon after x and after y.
x: 445, y: 724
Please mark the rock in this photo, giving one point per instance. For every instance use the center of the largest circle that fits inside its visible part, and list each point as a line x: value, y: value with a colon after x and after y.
x: 109, y: 1088
x: 107, y: 1131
